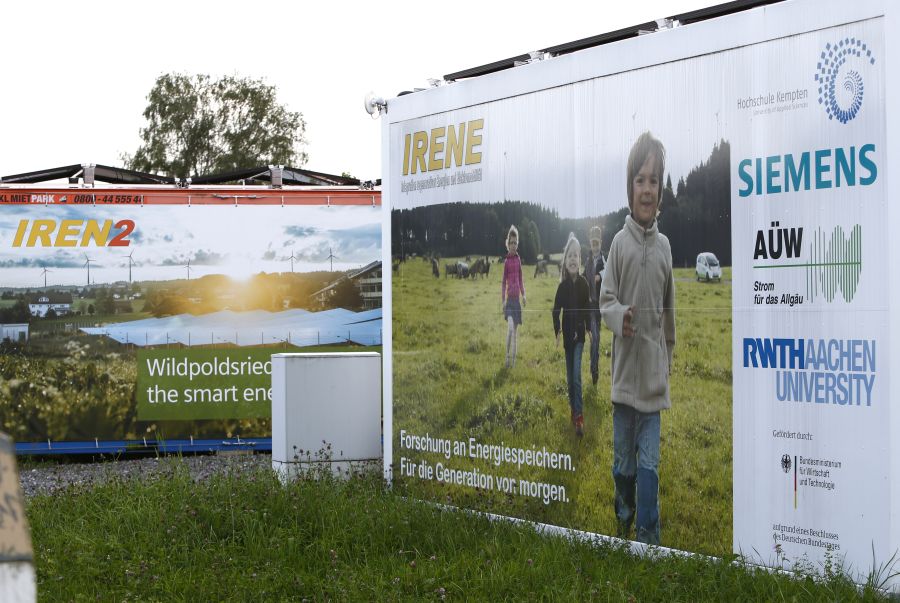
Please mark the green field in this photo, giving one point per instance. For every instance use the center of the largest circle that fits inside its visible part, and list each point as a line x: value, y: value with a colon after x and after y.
x: 449, y: 381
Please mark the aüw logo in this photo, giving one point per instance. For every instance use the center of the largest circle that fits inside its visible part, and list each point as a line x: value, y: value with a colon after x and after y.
x: 834, y: 263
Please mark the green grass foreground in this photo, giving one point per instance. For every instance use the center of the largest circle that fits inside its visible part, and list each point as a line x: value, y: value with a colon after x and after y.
x: 249, y: 538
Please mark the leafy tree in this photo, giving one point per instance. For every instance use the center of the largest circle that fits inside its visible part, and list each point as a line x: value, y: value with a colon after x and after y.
x: 170, y: 304
x: 90, y: 309
x: 197, y: 125
x: 107, y: 305
x: 105, y: 302
x: 301, y: 288
x: 346, y: 296
x: 17, y: 313
x: 529, y: 241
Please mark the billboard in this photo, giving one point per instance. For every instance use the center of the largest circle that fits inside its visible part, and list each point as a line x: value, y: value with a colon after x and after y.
x: 687, y: 343
x: 155, y: 317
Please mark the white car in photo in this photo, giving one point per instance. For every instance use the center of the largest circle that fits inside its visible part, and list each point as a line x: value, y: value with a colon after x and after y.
x: 708, y: 267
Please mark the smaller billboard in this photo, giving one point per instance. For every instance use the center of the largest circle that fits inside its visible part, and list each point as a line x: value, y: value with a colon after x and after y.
x: 155, y: 317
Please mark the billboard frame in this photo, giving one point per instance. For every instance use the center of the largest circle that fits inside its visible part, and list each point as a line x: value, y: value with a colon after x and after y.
x: 757, y: 25
x: 138, y: 195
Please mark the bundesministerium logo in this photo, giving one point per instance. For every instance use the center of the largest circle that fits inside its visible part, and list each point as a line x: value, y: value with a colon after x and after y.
x: 786, y: 462
x: 840, y: 84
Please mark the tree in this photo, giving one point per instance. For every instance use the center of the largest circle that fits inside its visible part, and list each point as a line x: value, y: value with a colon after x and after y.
x: 529, y: 241
x: 18, y: 312
x: 169, y: 304
x: 90, y: 309
x: 197, y: 125
x: 104, y: 300
x: 346, y: 296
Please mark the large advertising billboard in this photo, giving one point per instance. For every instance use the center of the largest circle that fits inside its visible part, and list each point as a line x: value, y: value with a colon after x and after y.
x: 643, y: 294
x: 156, y: 321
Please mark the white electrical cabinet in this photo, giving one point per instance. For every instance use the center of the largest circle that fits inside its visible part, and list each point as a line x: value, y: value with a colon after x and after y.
x: 326, y: 412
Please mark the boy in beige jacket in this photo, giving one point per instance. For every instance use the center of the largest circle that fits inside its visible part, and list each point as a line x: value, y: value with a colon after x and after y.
x: 637, y: 300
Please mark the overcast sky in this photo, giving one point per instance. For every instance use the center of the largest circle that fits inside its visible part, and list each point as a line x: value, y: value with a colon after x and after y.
x: 77, y: 73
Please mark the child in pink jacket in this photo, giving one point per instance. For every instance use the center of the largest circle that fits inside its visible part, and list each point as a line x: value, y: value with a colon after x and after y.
x: 511, y: 288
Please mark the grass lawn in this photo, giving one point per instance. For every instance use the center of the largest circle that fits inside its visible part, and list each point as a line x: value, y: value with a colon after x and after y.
x: 248, y: 538
x: 450, y: 382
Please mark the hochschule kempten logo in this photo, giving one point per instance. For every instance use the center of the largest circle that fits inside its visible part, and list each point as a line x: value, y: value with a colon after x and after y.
x: 840, y: 84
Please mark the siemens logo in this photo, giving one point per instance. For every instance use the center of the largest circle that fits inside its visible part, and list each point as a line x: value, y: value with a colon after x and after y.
x: 821, y: 169
x: 821, y: 371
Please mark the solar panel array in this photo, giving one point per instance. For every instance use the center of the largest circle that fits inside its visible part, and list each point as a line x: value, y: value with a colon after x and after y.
x: 299, y: 328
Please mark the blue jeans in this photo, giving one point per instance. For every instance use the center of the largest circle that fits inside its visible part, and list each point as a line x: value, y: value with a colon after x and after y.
x: 573, y: 376
x: 595, y: 342
x: 636, y: 463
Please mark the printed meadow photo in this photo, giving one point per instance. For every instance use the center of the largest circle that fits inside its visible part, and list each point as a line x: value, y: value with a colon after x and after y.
x: 481, y: 292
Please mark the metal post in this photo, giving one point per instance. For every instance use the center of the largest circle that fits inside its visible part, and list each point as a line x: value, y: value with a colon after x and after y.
x: 276, y: 175
x: 88, y: 173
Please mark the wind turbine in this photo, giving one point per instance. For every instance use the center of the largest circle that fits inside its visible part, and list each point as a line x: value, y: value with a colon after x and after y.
x: 332, y: 257
x: 131, y: 263
x: 188, y: 266
x: 88, y: 264
x: 292, y: 258
x: 45, y: 276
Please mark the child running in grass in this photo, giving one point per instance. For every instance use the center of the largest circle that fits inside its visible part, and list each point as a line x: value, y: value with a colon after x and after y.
x: 511, y: 288
x: 573, y: 300
x: 594, y: 266
x: 637, y: 301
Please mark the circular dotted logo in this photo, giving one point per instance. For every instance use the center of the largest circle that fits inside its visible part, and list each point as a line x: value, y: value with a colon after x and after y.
x: 840, y: 85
